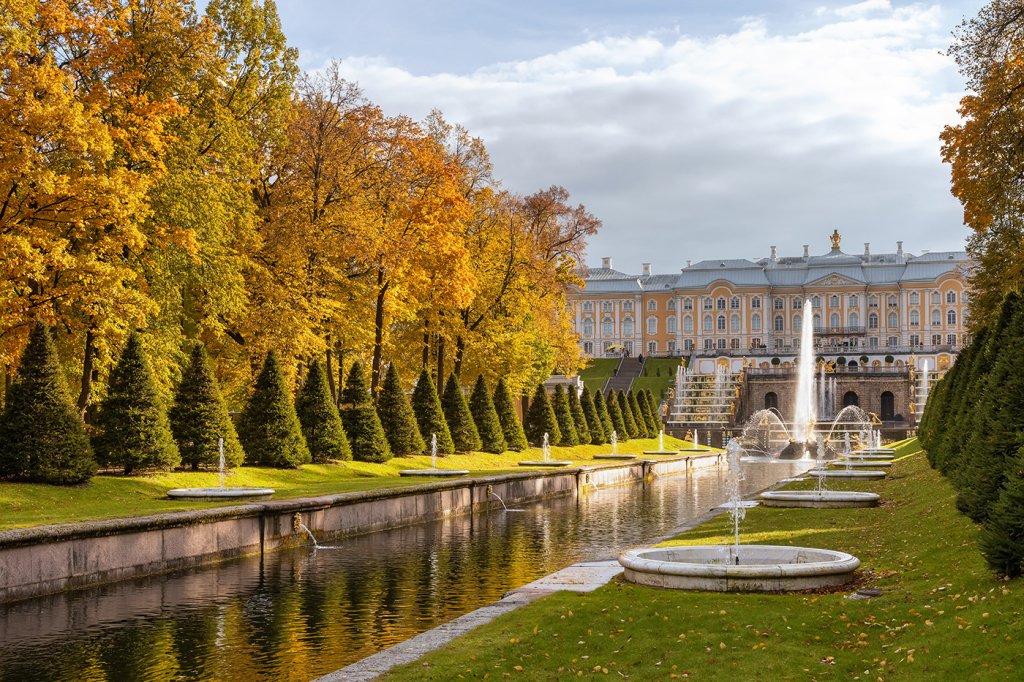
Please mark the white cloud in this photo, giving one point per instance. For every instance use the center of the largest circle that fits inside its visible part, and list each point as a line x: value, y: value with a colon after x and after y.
x: 748, y: 137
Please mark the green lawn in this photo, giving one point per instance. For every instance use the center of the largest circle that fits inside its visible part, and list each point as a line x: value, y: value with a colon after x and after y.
x: 597, y: 372
x: 24, y: 505
x: 656, y: 383
x: 942, y: 614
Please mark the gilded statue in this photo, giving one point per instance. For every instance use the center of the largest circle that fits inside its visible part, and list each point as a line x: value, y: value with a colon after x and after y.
x: 836, y: 238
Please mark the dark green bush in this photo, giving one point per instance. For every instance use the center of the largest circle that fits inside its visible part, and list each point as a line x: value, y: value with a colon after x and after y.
x: 515, y: 437
x: 579, y: 420
x: 397, y: 417
x: 602, y: 414
x: 199, y: 417
x: 430, y: 415
x: 594, y: 426
x: 321, y: 424
x: 628, y: 420
x: 362, y: 423
x: 492, y: 437
x: 616, y: 416
x: 566, y: 426
x: 268, y: 427
x: 460, y: 421
x: 541, y: 419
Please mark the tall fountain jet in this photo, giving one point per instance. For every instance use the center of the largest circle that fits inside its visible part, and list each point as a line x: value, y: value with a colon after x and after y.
x: 804, y: 418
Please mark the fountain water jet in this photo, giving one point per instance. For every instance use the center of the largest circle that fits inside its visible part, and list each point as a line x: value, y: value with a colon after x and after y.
x: 547, y: 461
x: 661, y: 446
x: 433, y: 471
x: 615, y: 450
x: 220, y: 493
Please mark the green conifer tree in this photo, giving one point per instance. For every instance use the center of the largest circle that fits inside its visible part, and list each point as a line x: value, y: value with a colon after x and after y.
x: 492, y: 437
x: 42, y: 437
x: 131, y: 429
x: 652, y: 405
x: 515, y: 437
x: 430, y: 415
x: 628, y: 420
x: 643, y: 428
x: 594, y: 425
x: 268, y: 427
x: 396, y: 416
x: 615, y: 414
x: 579, y: 420
x: 648, y: 413
x: 1002, y: 535
x: 318, y: 414
x: 566, y: 425
x: 362, y: 424
x: 199, y: 417
x: 460, y: 421
x: 541, y: 419
x: 603, y: 415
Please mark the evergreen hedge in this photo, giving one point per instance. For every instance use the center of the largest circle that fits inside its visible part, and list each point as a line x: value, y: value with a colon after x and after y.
x: 397, y: 417
x: 579, y: 420
x: 515, y: 437
x: 602, y: 413
x: 628, y: 420
x: 199, y: 417
x: 430, y: 415
x: 460, y: 422
x: 131, y: 429
x: 42, y: 437
x: 362, y: 424
x: 541, y: 419
x: 594, y: 425
x: 492, y: 436
x: 566, y: 425
x: 268, y: 427
x: 318, y: 414
x: 617, y: 418
x: 643, y: 427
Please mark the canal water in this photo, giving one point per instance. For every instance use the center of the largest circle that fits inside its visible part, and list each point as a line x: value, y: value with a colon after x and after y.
x: 299, y: 613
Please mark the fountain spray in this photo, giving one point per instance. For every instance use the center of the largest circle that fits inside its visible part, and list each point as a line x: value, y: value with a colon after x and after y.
x: 804, y: 418
x: 615, y: 442
x: 546, y: 446
x: 433, y: 451
x: 733, y: 477
x: 661, y: 440
x: 821, y: 461
x: 220, y: 463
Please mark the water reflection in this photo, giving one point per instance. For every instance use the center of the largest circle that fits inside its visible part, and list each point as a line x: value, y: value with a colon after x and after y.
x: 301, y: 613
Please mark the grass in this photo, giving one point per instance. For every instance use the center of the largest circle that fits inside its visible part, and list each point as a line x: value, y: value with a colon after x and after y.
x: 24, y: 505
x: 942, y: 614
x: 597, y: 371
x: 657, y: 384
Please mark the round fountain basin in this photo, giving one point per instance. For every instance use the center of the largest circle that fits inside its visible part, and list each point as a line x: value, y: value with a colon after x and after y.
x: 435, y: 473
x: 853, y: 474
x: 220, y: 494
x: 760, y: 568
x: 813, y: 499
x: 854, y: 464
x: 615, y: 456
x: 549, y: 463
x: 661, y: 452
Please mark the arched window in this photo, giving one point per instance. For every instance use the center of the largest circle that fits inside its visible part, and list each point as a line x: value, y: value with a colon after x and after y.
x: 779, y: 304
x: 850, y: 398
x: 588, y: 327
x: 734, y: 323
x: 798, y: 303
x: 798, y: 323
x: 833, y: 302
x: 607, y: 306
x: 709, y: 323
x: 816, y: 302
x: 608, y: 327
x: 872, y: 301
x: 873, y: 321
x: 755, y: 303
x: 687, y: 304
x: 915, y: 298
x: 817, y: 321
x: 670, y: 324
x: 627, y: 327
x: 950, y: 297
x: 721, y: 303
x: 854, y: 319
x: 688, y: 324
x: 936, y: 317
x: 854, y: 301
x: 652, y: 325
x: 780, y: 323
x: 894, y: 320
x: 894, y: 302
x: 708, y: 303
x: 721, y: 322
x: 652, y: 305
x: 951, y: 318
x: 888, y: 406
x: 915, y: 318
x: 755, y: 322
x: 588, y: 306
x: 936, y: 298
x: 734, y: 303
x: 771, y: 401
x: 671, y: 305
x: 834, y: 320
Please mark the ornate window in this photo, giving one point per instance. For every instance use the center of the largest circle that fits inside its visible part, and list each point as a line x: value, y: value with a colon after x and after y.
x: 892, y: 341
x: 833, y: 302
x: 670, y: 324
x: 854, y: 301
x: 687, y: 304
x: 798, y: 303
x: 607, y: 306
x: 688, y: 324
x: 709, y: 304
x: 779, y: 304
x: 734, y: 343
x: 721, y: 323
x: 721, y: 343
x: 671, y: 305
x: 915, y: 339
x: 816, y: 303
x: 627, y: 306
x: 652, y: 347
x: 588, y: 347
x: 780, y: 323
x: 873, y: 321
x: 817, y: 321
x: 607, y: 327
x: 872, y: 301
x: 950, y: 297
x: 798, y: 323
x: 688, y: 344
x: 915, y: 298
x: 652, y: 325
x: 951, y: 318
x: 734, y: 323
x: 755, y: 322
x: 894, y: 301
x: 951, y: 339
x: 915, y: 318
x: 936, y: 298
x: 709, y: 344
x: 834, y: 320
x: 652, y: 305
x: 734, y: 303
x: 854, y: 319
x: 588, y: 327
x: 588, y: 306
x: 936, y: 317
x: 627, y: 327
x: 709, y: 324
x: 755, y: 303
x: 873, y: 342
x: 894, y: 320
x: 670, y: 346
x: 936, y: 339
x: 721, y: 303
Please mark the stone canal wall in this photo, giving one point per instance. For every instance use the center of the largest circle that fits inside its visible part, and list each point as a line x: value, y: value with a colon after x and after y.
x: 47, y: 559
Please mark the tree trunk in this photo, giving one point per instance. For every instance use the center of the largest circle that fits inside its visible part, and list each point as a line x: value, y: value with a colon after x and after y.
x: 460, y: 352
x: 378, y: 334
x: 426, y: 344
x: 440, y: 363
x: 341, y: 378
x: 330, y: 372
x: 87, y: 375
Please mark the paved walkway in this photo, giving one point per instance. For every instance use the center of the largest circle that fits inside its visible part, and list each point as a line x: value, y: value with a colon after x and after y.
x: 585, y: 576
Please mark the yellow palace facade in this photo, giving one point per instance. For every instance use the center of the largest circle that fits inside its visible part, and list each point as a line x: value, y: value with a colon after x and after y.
x: 753, y: 311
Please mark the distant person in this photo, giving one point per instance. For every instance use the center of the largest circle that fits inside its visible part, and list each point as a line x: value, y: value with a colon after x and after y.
x: 615, y: 371
x: 640, y: 358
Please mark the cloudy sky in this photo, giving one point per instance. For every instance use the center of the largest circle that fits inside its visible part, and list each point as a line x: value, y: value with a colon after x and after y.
x: 693, y: 128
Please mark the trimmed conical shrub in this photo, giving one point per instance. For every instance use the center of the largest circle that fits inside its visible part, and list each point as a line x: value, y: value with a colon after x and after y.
x: 645, y: 414
x: 396, y: 416
x: 628, y: 420
x: 603, y: 415
x: 643, y: 429
x: 460, y: 421
x: 365, y: 433
x: 566, y: 425
x: 615, y: 414
x: 321, y: 424
x: 652, y: 405
x: 198, y: 417
x: 430, y: 416
x: 42, y: 437
x: 579, y: 420
x: 268, y: 427
x: 540, y: 419
x: 1002, y: 536
x: 515, y: 437
x: 594, y: 425
x: 492, y: 437
x: 131, y: 427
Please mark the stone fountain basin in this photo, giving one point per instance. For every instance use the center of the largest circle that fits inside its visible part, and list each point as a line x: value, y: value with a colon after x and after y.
x: 860, y: 464
x: 761, y: 568
x: 220, y: 494
x: 855, y: 474
x: 661, y: 452
x: 855, y: 457
x: 876, y: 451
x: 616, y: 456
x: 435, y: 473
x: 551, y: 463
x: 826, y: 499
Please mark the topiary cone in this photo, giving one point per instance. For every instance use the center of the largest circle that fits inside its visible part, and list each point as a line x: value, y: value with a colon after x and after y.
x: 627, y: 415
x: 643, y: 429
x: 602, y: 413
x: 460, y: 421
x: 615, y: 414
x: 594, y: 425
x: 268, y: 427
x: 515, y: 437
x: 492, y: 437
x: 199, y: 417
x: 566, y: 426
x: 321, y: 424
x: 540, y: 419
x: 396, y: 416
x: 429, y: 414
x: 362, y: 424
x: 579, y: 420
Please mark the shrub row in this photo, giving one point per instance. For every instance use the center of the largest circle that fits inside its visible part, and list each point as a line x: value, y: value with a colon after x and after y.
x: 571, y: 419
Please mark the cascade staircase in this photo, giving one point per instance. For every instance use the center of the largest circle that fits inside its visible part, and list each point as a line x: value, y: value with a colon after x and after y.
x: 629, y: 369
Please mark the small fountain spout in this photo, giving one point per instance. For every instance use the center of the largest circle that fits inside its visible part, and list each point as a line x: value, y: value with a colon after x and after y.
x: 733, y: 477
x: 661, y: 440
x: 311, y: 537
x: 546, y: 446
x: 220, y: 464
x: 433, y: 451
x: 615, y: 443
